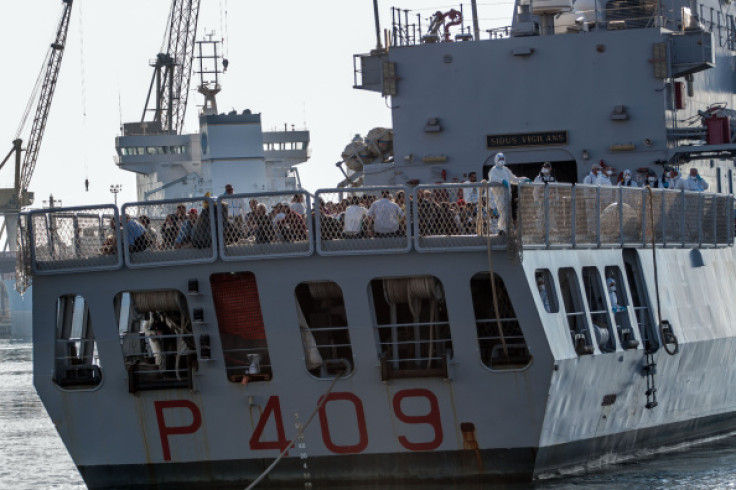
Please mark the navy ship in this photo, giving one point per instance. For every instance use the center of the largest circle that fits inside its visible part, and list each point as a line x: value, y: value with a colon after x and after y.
x: 449, y: 312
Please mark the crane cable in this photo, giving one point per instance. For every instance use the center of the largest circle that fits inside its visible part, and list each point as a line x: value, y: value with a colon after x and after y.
x: 34, y: 94
x: 223, y: 28
x: 83, y: 94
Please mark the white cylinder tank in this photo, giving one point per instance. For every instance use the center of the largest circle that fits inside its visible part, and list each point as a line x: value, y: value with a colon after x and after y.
x: 551, y: 7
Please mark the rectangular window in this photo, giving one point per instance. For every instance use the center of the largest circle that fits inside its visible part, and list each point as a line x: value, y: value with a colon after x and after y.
x: 577, y: 320
x: 323, y: 326
x: 77, y: 361
x: 640, y: 297
x: 595, y: 296
x: 619, y: 302
x: 411, y: 326
x: 156, y: 338
x: 240, y: 322
x: 501, y: 341
x: 546, y: 289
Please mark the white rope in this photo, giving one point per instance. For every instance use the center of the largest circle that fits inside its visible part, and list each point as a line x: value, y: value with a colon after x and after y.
x: 324, y: 290
x: 299, y: 433
x: 157, y: 301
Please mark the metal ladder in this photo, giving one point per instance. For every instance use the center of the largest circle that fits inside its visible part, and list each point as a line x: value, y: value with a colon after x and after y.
x: 649, y: 370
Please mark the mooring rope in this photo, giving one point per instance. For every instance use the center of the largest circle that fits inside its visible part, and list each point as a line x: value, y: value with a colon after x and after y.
x: 299, y: 433
x: 656, y: 278
x: 490, y: 271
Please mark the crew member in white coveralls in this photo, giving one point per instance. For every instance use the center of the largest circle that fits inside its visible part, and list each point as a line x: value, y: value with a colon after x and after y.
x: 502, y: 195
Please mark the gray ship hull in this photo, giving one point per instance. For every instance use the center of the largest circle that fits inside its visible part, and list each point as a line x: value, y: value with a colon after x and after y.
x: 434, y: 470
x: 557, y: 413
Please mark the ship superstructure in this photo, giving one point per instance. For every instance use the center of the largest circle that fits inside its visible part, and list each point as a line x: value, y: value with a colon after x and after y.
x: 229, y: 148
x: 425, y: 327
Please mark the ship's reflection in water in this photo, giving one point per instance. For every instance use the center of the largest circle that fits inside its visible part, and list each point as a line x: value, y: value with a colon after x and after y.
x: 32, y: 456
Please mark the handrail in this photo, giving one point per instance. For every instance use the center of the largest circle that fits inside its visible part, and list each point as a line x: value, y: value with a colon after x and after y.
x: 547, y: 217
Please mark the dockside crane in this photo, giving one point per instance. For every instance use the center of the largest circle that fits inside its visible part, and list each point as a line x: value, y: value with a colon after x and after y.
x: 172, y: 70
x: 12, y: 200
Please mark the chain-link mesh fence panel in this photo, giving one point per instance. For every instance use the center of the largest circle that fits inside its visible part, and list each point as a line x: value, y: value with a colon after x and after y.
x: 653, y: 209
x: 708, y: 219
x: 362, y: 219
x: 586, y: 215
x: 533, y: 210
x: 672, y: 217
x: 443, y: 218
x: 632, y: 202
x: 74, y: 239
x: 169, y: 232
x: 23, y: 261
x: 610, y: 217
x: 692, y: 218
x: 560, y: 214
x: 265, y: 225
x: 724, y: 220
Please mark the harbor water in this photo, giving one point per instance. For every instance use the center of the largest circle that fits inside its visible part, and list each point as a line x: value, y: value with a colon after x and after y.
x: 32, y: 456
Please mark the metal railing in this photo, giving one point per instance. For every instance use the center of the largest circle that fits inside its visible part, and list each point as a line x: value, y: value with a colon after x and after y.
x: 360, y: 220
x: 74, y: 239
x: 156, y: 361
x: 505, y: 351
x: 74, y: 368
x: 583, y: 216
x: 414, y: 349
x: 429, y: 218
x: 265, y: 225
x: 169, y: 232
x: 460, y: 216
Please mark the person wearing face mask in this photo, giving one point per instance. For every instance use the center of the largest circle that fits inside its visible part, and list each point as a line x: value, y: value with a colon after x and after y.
x: 545, y: 177
x: 694, y: 182
x: 502, y: 195
x: 627, y: 180
x: 604, y: 178
x: 613, y: 296
x: 593, y: 177
x: 652, y: 180
x: 674, y: 178
x: 667, y: 179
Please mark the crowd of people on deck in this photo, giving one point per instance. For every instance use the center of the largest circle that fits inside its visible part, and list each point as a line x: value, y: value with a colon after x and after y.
x: 670, y: 178
x: 441, y: 211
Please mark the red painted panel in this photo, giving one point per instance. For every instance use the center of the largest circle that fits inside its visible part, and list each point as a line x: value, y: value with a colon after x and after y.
x: 237, y: 305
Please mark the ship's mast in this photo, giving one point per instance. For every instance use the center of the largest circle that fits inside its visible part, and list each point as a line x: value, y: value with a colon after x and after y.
x: 209, y: 71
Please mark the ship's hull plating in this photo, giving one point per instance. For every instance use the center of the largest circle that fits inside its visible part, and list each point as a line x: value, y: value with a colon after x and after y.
x: 561, y: 411
x: 432, y: 469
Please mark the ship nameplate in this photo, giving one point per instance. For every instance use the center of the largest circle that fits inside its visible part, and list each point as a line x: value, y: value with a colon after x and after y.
x: 526, y: 139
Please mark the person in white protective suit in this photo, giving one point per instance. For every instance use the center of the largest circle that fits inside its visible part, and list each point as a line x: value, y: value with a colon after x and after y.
x: 502, y: 195
x: 613, y: 296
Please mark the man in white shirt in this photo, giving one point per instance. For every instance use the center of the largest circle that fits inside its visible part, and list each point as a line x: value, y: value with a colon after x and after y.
x: 353, y: 219
x: 385, y: 216
x: 470, y: 194
x: 297, y: 204
x: 593, y: 176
